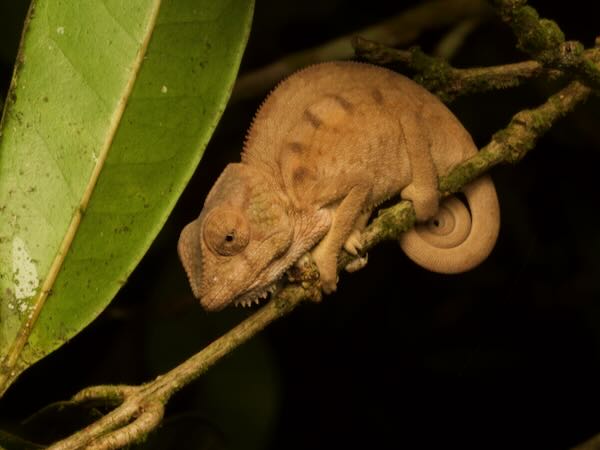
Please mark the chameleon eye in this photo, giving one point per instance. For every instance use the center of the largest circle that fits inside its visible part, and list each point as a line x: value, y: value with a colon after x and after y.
x: 226, y: 232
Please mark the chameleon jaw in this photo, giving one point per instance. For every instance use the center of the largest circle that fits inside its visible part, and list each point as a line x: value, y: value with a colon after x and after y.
x: 259, y: 293
x: 255, y: 296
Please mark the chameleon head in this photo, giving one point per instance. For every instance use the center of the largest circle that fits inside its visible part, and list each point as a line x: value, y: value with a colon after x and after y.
x: 234, y: 249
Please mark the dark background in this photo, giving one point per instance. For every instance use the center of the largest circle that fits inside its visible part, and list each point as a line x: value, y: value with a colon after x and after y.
x: 505, y: 356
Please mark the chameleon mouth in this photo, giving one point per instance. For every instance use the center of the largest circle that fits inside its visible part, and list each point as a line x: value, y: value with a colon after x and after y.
x: 260, y: 293
x: 253, y: 296
x: 257, y: 295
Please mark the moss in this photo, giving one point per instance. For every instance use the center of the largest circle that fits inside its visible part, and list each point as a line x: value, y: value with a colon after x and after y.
x: 470, y: 170
x: 510, y: 5
x: 539, y: 121
x: 545, y: 41
x: 456, y: 179
x: 502, y: 136
x: 506, y: 139
x: 482, y: 84
x: 539, y: 37
x: 550, y: 33
x: 390, y: 222
x: 591, y: 73
x: 522, y: 133
x: 434, y: 73
x: 524, y: 19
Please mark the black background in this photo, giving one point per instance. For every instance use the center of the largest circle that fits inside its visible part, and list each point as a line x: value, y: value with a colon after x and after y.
x: 505, y: 356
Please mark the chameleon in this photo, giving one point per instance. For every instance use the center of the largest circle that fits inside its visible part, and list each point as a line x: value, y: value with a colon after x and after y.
x: 328, y: 145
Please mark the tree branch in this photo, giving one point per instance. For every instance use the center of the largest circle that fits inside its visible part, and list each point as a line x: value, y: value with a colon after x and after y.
x: 544, y: 40
x: 140, y: 408
x: 509, y: 145
x: 448, y: 82
x: 127, y: 422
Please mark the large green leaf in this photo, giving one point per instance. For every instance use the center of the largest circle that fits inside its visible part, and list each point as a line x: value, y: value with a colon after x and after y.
x: 111, y: 106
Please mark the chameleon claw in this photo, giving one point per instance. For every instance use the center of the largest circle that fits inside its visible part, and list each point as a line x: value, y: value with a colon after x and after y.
x: 329, y: 287
x: 353, y: 244
x: 357, y: 263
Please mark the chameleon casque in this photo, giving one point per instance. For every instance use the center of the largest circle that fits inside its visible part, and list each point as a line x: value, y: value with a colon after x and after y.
x: 329, y: 144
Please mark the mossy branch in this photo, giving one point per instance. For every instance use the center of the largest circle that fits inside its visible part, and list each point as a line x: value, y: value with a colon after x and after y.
x: 142, y: 406
x: 448, y: 82
x: 545, y: 42
x: 139, y: 409
x: 509, y: 145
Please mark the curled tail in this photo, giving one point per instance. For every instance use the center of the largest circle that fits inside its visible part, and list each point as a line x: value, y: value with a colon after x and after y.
x: 456, y: 240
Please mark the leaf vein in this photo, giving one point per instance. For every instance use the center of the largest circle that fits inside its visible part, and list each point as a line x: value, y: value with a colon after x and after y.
x: 76, y: 70
x: 116, y: 20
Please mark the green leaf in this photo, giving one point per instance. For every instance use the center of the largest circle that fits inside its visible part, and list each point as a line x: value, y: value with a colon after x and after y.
x: 110, y: 108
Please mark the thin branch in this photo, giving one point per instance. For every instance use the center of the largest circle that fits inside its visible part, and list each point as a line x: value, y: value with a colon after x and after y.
x: 133, y: 432
x: 509, y: 145
x: 400, y: 30
x: 448, y: 82
x: 544, y: 41
x: 141, y: 408
x: 162, y: 388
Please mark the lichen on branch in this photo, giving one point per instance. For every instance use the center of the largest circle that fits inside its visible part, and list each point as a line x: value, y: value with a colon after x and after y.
x: 545, y: 42
x: 448, y: 82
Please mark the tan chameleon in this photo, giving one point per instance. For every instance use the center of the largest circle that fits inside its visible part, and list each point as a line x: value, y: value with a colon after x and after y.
x: 328, y: 145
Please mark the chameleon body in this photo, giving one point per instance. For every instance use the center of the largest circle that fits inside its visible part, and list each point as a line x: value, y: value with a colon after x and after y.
x: 328, y: 145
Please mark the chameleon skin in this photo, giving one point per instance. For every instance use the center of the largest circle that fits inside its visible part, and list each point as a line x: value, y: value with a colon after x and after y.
x: 328, y: 145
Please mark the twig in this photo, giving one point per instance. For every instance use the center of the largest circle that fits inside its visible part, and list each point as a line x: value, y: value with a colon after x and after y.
x: 143, y: 406
x: 544, y: 40
x: 448, y: 82
x: 137, y: 400
x: 399, y: 30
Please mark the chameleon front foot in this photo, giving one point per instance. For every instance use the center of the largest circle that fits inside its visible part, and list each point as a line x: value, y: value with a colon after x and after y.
x: 328, y: 276
x: 327, y: 264
x: 353, y: 244
x: 328, y: 285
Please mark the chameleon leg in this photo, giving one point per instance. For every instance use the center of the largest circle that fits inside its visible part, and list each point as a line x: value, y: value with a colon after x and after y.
x: 353, y: 244
x: 423, y: 188
x: 344, y: 221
